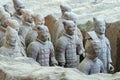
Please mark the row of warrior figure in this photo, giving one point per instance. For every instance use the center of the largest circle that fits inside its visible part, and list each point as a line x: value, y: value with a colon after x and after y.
x: 23, y: 34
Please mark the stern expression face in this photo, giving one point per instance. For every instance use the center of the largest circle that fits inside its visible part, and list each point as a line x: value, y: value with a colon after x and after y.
x: 44, y: 35
x: 92, y: 48
x: 29, y: 18
x: 12, y: 41
x: 70, y: 30
x: 69, y: 27
x: 39, y: 21
x: 100, y: 25
x: 100, y: 28
x: 96, y: 47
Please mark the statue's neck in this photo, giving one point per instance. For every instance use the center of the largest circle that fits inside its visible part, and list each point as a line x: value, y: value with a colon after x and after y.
x: 42, y: 42
x: 69, y: 36
x: 101, y: 36
x: 92, y: 58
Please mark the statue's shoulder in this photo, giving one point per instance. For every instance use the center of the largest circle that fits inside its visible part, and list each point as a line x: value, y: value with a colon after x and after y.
x: 62, y: 41
x: 85, y: 64
x: 50, y: 43
x: 99, y: 61
x: 33, y: 44
x: 62, y: 38
x: 107, y: 40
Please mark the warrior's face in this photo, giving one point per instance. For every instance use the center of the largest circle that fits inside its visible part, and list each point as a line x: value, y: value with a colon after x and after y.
x: 100, y: 26
x: 70, y: 29
x: 92, y: 48
x: 44, y: 35
x: 4, y: 24
x: 39, y: 21
x: 96, y: 47
x: 12, y: 41
x: 29, y: 19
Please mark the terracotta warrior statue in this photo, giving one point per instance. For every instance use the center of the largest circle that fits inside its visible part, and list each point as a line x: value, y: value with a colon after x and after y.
x: 68, y: 16
x: 15, y: 25
x: 91, y: 63
x: 105, y: 49
x: 5, y: 22
x: 28, y: 23
x: 18, y: 6
x: 42, y: 49
x: 68, y: 46
x: 64, y: 8
x: 11, y: 49
x: 3, y: 26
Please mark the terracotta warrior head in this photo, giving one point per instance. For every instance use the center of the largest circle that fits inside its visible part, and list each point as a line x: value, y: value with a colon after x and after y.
x: 4, y: 18
x: 65, y: 8
x: 99, y: 25
x: 27, y: 15
x: 39, y: 20
x: 70, y: 16
x: 18, y: 5
x: 11, y: 37
x: 69, y: 27
x: 92, y: 46
x: 13, y: 24
x: 43, y: 33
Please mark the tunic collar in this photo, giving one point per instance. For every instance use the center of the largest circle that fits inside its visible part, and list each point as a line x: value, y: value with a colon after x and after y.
x: 100, y: 36
x: 71, y: 37
x: 41, y: 41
